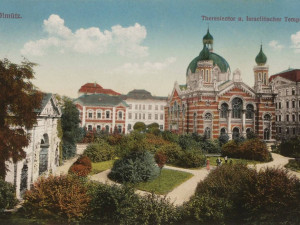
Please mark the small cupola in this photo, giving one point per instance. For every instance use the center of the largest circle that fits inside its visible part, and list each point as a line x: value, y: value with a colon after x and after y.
x: 261, y: 58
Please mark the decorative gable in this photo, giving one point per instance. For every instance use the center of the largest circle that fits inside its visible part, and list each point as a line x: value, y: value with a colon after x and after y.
x: 51, y: 108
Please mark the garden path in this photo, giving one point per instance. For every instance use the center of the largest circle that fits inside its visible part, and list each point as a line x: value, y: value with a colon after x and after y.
x: 63, y: 169
x: 184, y: 191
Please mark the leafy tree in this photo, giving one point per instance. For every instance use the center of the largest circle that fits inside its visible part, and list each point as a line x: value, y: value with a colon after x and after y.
x: 18, y: 101
x: 140, y: 126
x: 70, y: 125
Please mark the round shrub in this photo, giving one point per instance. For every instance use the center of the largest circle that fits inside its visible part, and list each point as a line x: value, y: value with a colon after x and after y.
x: 173, y: 152
x: 235, y: 194
x: 139, y: 126
x: 290, y: 147
x: 57, y: 197
x: 254, y: 149
x: 82, y: 167
x: 191, y: 159
x: 120, y: 205
x: 135, y: 167
x: 100, y: 151
x: 7, y: 195
x: 114, y: 204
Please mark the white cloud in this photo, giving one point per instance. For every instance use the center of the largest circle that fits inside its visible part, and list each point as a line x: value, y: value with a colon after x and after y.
x: 146, y: 67
x: 275, y: 45
x: 126, y: 41
x: 296, y: 42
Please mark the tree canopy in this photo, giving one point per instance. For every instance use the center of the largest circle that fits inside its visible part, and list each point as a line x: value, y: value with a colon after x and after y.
x: 70, y: 126
x: 19, y: 100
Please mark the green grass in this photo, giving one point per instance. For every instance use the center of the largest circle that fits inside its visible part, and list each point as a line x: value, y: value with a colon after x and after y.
x: 212, y: 161
x: 166, y: 182
x: 101, y: 166
x: 293, y: 165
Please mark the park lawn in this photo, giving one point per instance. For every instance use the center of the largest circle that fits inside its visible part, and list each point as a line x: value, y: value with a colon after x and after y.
x: 212, y: 161
x: 166, y: 182
x: 293, y: 165
x: 101, y: 166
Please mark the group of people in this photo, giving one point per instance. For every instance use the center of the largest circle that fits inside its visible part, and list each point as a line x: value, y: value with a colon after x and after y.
x: 218, y: 161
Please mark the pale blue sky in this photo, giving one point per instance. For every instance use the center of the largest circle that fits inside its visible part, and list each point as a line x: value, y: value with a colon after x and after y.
x: 126, y: 44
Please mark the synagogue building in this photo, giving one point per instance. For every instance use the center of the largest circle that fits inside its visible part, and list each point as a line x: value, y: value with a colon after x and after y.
x: 214, y: 100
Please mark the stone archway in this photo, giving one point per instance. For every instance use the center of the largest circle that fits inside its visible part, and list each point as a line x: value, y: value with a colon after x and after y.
x: 266, y: 134
x: 24, y: 179
x: 43, y: 157
x: 235, y: 133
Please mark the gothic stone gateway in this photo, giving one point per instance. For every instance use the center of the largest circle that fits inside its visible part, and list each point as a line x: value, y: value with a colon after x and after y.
x: 42, y: 154
x: 210, y: 103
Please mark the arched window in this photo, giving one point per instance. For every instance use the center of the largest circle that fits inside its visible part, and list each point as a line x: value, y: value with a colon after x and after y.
x: 178, y: 111
x: 90, y: 127
x: 224, y: 110
x: 207, y: 116
x: 90, y: 114
x: 237, y: 106
x: 249, y: 111
x: 206, y: 76
x: 120, y: 115
x: 223, y: 131
x: 195, y: 122
x: 235, y: 133
x: 98, y: 128
x: 207, y: 133
x: 99, y: 114
x: 119, y: 129
x: 107, y: 128
x: 129, y: 127
x: 265, y: 78
x: 107, y: 114
x: 259, y: 76
x: 266, y: 134
x: 183, y: 109
x: 267, y: 117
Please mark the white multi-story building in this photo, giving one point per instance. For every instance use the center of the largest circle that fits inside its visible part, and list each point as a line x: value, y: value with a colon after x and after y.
x: 143, y: 107
x: 287, y: 102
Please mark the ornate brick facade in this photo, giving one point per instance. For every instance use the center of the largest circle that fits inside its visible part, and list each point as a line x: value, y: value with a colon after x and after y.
x: 210, y: 103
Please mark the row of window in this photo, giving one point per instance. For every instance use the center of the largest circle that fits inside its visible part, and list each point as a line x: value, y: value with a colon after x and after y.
x: 288, y: 130
x: 293, y: 104
x: 293, y: 118
x: 143, y: 116
x: 130, y: 127
x: 99, y: 114
x: 237, y: 107
x: 105, y: 128
x: 287, y: 92
x: 143, y: 107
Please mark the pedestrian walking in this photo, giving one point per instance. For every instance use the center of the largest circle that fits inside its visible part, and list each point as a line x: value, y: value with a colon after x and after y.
x: 226, y: 158
x: 219, y: 161
x: 207, y: 164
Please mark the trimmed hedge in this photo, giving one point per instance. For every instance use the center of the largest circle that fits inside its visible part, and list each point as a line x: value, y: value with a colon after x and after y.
x: 252, y: 149
x: 235, y: 194
x: 99, y: 151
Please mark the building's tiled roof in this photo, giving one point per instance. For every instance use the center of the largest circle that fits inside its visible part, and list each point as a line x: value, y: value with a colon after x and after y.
x: 141, y: 94
x: 45, y: 100
x: 94, y: 88
x: 290, y: 74
x: 100, y: 100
